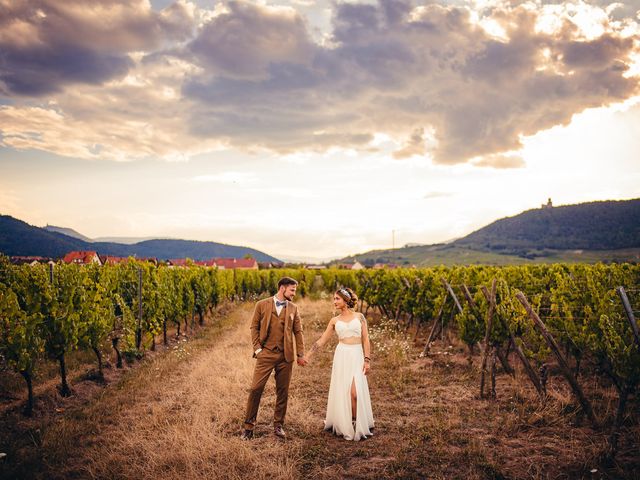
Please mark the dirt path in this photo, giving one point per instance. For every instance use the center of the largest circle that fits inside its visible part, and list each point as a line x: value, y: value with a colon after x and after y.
x: 179, y: 416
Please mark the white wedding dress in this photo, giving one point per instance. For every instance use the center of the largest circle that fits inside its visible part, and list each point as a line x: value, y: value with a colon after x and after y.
x: 348, y: 361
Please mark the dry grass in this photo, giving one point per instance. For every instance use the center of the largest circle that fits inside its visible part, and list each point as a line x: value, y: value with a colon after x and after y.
x: 178, y: 415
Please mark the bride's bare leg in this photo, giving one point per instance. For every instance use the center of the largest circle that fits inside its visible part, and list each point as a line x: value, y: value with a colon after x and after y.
x: 354, y: 400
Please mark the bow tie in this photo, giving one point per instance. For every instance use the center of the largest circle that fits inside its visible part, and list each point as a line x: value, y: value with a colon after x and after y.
x: 280, y: 304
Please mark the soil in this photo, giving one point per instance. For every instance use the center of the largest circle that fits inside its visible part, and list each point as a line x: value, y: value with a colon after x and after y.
x: 178, y: 414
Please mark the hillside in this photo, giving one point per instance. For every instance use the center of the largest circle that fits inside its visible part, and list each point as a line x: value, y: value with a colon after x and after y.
x: 187, y: 248
x: 607, y: 225
x: 69, y: 232
x: 587, y: 232
x: 20, y: 238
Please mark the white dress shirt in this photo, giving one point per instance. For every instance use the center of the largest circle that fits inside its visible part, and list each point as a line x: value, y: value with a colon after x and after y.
x: 278, y: 308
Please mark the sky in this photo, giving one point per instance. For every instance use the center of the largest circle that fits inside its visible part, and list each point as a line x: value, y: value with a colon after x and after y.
x: 309, y: 129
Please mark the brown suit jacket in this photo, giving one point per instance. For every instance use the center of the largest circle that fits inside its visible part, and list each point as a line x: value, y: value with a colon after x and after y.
x: 292, y: 327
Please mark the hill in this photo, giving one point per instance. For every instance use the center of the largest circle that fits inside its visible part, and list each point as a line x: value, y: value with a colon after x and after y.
x: 69, y: 232
x: 20, y: 238
x: 587, y: 232
x: 607, y: 225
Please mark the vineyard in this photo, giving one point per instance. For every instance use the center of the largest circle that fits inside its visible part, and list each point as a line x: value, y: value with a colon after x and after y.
x: 577, y: 321
x: 47, y: 311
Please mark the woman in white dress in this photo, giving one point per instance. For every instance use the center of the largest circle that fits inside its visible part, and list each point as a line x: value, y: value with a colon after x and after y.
x: 349, y: 405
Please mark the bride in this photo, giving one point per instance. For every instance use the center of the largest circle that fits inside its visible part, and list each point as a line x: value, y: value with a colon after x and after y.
x: 348, y: 406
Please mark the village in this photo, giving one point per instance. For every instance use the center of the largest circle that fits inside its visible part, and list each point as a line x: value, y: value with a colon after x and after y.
x: 88, y: 257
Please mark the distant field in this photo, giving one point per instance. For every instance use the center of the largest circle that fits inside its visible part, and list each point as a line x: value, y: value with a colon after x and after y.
x: 433, y: 255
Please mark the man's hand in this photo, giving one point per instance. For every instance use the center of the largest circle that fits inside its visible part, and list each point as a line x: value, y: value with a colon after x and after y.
x: 302, y: 361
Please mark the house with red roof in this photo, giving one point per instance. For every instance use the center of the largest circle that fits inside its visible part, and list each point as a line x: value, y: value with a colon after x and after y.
x: 177, y: 262
x: 112, y: 260
x: 82, y: 257
x: 239, y: 263
x: 206, y: 263
x: 28, y: 259
x: 221, y: 263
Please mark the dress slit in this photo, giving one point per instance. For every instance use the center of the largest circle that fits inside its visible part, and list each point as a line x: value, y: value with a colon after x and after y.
x: 355, y: 387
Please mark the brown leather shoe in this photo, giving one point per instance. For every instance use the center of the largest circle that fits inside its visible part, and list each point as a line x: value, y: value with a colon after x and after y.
x: 279, y: 432
x: 246, y: 434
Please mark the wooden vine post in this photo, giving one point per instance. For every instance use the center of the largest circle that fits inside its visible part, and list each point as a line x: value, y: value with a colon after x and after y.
x: 562, y: 363
x: 504, y: 358
x: 624, y: 390
x: 438, y: 323
x: 629, y: 311
x: 492, y: 306
x: 434, y: 330
x: 453, y: 294
x: 139, y: 321
x: 474, y: 310
x: 531, y: 373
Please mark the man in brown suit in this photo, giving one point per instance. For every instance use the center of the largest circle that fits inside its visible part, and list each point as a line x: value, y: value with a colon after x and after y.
x: 275, y: 323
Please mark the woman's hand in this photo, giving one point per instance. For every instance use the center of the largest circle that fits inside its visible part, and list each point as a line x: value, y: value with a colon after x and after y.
x: 366, y: 367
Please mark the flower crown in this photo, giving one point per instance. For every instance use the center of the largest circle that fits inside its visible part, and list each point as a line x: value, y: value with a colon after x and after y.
x: 345, y: 292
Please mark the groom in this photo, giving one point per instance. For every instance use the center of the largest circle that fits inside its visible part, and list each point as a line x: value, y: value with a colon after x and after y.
x: 275, y: 322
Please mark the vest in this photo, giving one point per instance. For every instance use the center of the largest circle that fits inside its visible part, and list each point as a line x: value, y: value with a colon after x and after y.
x: 275, y: 337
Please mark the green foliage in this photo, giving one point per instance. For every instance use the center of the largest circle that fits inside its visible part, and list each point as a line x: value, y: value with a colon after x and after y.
x: 619, y: 346
x: 98, y: 310
x: 20, y: 341
x: 86, y: 305
x: 471, y: 325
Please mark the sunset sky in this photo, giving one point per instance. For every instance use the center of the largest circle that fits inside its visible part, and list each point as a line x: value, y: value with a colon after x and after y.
x: 313, y: 129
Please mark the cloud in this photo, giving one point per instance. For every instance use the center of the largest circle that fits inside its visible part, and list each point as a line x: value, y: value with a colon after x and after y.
x: 245, y: 40
x: 393, y: 65
x: 123, y: 81
x: 47, y: 44
x: 499, y: 160
x: 415, y: 145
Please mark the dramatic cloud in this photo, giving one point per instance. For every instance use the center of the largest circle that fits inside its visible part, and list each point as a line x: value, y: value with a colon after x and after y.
x: 453, y: 82
x: 397, y: 68
x: 247, y: 39
x: 48, y: 44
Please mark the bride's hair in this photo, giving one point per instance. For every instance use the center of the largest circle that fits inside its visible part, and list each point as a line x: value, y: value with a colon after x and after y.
x: 348, y: 295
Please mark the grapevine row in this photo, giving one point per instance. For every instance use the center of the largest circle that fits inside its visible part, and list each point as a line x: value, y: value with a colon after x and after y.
x: 48, y: 311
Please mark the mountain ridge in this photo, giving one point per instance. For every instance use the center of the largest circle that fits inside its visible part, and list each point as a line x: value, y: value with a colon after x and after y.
x: 20, y: 238
x: 598, y: 225
x: 606, y: 230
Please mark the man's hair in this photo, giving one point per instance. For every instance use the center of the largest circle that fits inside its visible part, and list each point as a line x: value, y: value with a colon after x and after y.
x: 287, y: 281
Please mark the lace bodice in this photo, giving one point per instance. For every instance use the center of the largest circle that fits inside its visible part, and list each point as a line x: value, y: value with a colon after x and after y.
x: 349, y: 329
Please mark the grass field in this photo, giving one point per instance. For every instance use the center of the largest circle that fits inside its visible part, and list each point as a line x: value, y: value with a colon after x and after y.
x: 178, y: 414
x: 449, y: 254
